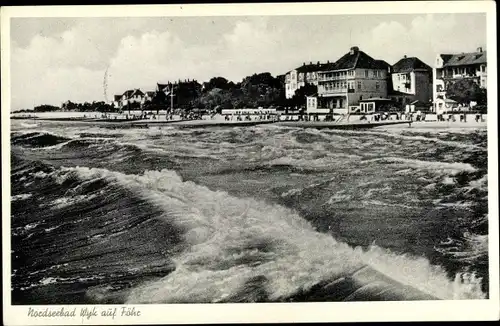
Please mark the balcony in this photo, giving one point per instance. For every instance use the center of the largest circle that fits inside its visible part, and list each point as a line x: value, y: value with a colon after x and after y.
x: 332, y: 78
x: 334, y: 91
x: 335, y: 78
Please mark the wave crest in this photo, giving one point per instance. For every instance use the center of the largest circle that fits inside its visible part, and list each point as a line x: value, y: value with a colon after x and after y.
x: 231, y: 241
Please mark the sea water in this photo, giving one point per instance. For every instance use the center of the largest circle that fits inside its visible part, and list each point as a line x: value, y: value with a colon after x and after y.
x: 243, y: 214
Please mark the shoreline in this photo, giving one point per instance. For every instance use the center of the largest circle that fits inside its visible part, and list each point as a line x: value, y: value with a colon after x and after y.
x: 138, y: 123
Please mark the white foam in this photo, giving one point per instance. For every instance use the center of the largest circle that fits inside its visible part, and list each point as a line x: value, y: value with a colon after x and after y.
x: 62, y: 202
x: 221, y: 231
x: 396, y: 133
x: 29, y: 125
x: 432, y: 166
x: 20, y: 197
x: 481, y: 184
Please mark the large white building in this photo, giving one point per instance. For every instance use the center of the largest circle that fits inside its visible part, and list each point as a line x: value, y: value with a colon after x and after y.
x: 449, y: 68
x: 352, y: 78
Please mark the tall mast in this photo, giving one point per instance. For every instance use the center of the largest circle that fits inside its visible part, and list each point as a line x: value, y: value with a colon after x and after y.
x: 105, y: 85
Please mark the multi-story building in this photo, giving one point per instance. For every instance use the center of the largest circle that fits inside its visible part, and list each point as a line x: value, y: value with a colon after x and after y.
x: 352, y: 78
x: 411, y: 80
x: 449, y: 68
x: 305, y: 74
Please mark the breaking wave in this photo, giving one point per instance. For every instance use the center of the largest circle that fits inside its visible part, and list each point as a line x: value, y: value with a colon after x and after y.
x: 232, y: 241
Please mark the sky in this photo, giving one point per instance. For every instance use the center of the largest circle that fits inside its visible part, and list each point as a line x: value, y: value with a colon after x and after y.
x: 58, y: 59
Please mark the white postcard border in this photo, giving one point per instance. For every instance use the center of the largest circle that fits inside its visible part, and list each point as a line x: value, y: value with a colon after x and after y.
x: 266, y: 312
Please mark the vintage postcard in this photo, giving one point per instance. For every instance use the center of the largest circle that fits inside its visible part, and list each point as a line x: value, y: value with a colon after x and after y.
x: 306, y: 162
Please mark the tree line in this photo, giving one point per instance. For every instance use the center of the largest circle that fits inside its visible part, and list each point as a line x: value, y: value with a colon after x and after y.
x: 257, y: 90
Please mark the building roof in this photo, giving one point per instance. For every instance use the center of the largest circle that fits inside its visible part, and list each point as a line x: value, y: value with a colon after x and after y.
x: 463, y: 59
x: 446, y: 57
x: 406, y: 65
x: 356, y: 59
x: 117, y: 97
x: 383, y: 63
x: 150, y: 93
x: 132, y: 92
x: 311, y: 67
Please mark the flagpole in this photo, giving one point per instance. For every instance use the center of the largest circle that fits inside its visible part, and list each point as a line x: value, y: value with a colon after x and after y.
x: 172, y: 100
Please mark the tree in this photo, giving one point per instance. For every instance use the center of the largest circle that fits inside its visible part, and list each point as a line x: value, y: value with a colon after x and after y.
x: 466, y: 90
x: 46, y: 108
x: 299, y: 98
x: 218, y: 82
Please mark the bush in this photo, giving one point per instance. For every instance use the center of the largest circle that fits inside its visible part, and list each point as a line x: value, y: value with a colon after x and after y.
x: 46, y: 108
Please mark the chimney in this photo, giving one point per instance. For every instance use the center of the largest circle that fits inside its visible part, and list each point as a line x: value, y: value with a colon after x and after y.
x: 310, y: 62
x: 479, y: 49
x: 303, y: 63
x: 318, y: 63
x: 353, y: 50
x: 327, y: 61
x: 404, y: 57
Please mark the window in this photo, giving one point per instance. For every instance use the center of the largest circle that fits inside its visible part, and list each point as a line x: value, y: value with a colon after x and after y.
x: 366, y: 73
x: 359, y: 84
x: 377, y: 85
x: 360, y: 97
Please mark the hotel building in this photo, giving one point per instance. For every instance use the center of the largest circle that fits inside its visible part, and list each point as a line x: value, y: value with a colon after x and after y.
x: 344, y: 83
x: 450, y: 68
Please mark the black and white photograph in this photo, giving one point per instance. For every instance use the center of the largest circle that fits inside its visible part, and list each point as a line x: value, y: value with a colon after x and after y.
x: 222, y: 158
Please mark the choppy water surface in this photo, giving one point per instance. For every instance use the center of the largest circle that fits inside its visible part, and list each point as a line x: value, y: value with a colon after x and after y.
x: 243, y: 214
